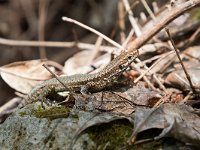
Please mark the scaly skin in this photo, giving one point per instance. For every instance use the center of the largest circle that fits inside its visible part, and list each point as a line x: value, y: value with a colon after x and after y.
x: 83, y: 82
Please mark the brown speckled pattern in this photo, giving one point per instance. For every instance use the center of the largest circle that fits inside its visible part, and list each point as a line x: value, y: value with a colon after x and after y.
x: 93, y: 82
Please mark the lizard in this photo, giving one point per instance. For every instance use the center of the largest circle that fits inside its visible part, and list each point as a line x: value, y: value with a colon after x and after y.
x: 83, y: 82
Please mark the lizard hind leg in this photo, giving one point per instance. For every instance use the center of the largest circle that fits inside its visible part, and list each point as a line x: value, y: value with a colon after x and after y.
x: 45, y: 102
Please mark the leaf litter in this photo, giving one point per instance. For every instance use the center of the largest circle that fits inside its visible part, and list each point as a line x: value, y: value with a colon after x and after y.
x: 136, y: 103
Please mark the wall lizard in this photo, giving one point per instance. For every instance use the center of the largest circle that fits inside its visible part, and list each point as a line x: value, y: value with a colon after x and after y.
x: 83, y: 82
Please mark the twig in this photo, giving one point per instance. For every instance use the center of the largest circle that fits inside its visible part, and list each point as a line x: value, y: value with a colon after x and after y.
x: 144, y: 77
x: 154, y: 76
x: 160, y: 24
x: 156, y: 57
x: 186, y: 98
x: 95, y: 51
x: 121, y: 21
x: 124, y: 44
x: 45, y: 66
x: 152, y: 66
x: 132, y: 19
x: 183, y: 66
x: 148, y: 9
x: 94, y: 31
x: 9, y: 42
x: 162, y: 101
x: 143, y: 74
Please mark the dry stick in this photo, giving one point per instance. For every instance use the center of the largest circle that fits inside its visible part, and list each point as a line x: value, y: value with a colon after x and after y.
x: 138, y: 33
x: 132, y: 6
x: 145, y: 78
x: 148, y: 9
x: 154, y: 76
x: 183, y: 66
x: 94, y: 31
x: 95, y: 51
x: 132, y: 19
x: 162, y: 100
x: 53, y: 44
x: 45, y: 66
x: 154, y: 58
x: 152, y: 66
x: 186, y: 98
x: 160, y: 24
x: 121, y: 21
x: 167, y: 30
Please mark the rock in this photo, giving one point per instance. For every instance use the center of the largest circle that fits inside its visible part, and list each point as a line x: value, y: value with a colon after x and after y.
x: 21, y: 131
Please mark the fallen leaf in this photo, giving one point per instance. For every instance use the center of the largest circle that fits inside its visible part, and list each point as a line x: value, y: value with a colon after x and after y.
x: 24, y: 75
x: 177, y: 121
x: 140, y: 95
x: 104, y: 101
x: 75, y: 64
x: 178, y: 79
x: 193, y: 52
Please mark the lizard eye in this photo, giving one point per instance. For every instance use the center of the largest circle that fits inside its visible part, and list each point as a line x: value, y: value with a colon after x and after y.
x: 120, y: 67
x: 129, y: 57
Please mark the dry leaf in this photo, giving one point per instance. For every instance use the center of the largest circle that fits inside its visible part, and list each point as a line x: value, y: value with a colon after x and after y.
x: 104, y: 101
x: 163, y: 63
x: 80, y: 63
x: 8, y: 108
x: 179, y: 80
x: 140, y: 95
x: 193, y: 52
x: 24, y: 75
x: 177, y: 121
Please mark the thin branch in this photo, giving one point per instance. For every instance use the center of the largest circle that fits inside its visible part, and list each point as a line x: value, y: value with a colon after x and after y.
x: 144, y: 77
x: 154, y: 76
x: 121, y: 21
x: 9, y: 42
x: 94, y: 31
x: 132, y: 19
x: 95, y: 51
x: 160, y: 24
x: 148, y: 9
x: 45, y: 66
x: 152, y: 66
x: 183, y: 66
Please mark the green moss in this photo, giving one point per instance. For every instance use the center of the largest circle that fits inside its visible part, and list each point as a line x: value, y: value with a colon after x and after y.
x: 50, y: 113
x: 114, y: 136
x: 22, y: 114
x: 196, y: 14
